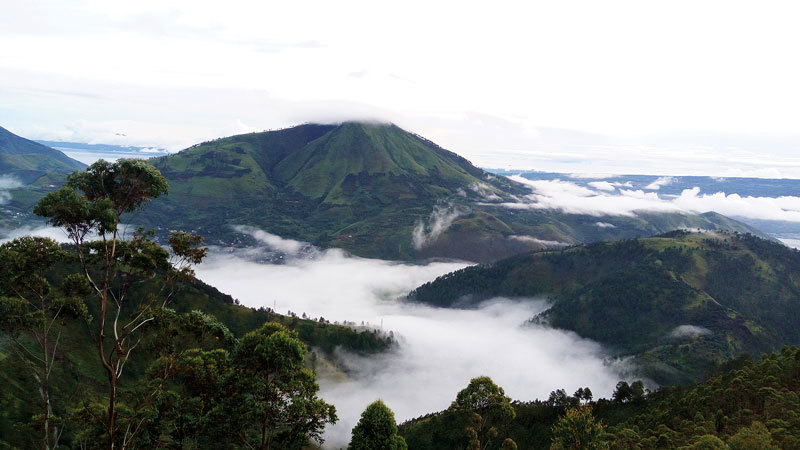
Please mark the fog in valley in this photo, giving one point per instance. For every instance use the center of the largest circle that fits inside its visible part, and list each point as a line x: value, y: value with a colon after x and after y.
x: 439, y: 350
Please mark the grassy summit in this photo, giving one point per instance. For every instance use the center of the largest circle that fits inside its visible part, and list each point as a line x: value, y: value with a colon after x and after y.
x: 376, y: 191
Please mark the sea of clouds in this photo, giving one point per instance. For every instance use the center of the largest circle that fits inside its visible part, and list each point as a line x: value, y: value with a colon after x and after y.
x: 439, y: 349
x: 604, y: 198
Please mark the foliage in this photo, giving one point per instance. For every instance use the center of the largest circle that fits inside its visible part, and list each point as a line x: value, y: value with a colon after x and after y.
x: 33, y: 315
x: 679, y: 303
x: 366, y: 188
x: 271, y: 394
x: 376, y: 429
x: 756, y: 405
x: 91, y: 204
x: 577, y: 430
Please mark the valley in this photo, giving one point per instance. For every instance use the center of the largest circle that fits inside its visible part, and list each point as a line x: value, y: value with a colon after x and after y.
x: 362, y: 239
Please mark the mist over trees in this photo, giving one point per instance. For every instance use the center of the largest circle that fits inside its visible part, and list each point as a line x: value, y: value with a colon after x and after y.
x: 198, y: 376
x: 153, y: 372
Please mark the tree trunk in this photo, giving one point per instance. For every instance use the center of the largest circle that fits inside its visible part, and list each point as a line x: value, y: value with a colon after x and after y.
x: 46, y: 396
x: 112, y: 414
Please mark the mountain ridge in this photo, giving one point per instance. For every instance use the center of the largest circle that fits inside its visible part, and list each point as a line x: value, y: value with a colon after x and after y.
x: 675, y: 302
x: 374, y: 190
x: 29, y: 160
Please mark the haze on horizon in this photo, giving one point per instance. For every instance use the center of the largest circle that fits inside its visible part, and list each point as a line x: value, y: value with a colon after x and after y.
x: 677, y: 88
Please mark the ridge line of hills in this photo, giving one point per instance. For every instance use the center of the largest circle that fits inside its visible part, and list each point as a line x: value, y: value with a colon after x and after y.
x: 677, y: 303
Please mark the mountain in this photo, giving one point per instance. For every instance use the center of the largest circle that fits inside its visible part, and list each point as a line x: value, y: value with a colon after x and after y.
x: 376, y: 191
x: 676, y: 303
x: 29, y: 161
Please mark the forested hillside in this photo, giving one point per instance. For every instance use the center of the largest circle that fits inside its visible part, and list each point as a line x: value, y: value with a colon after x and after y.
x: 111, y: 343
x: 678, y: 302
x: 751, y: 405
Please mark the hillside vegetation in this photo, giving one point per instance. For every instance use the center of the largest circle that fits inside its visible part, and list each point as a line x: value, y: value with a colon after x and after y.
x: 78, y: 379
x: 679, y: 302
x: 755, y: 405
x: 374, y: 190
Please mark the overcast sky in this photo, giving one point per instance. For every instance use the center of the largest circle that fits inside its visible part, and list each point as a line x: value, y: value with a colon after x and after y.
x: 665, y: 88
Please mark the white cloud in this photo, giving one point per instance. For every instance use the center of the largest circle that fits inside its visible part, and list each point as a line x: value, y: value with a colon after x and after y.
x: 440, y: 220
x: 793, y: 243
x: 546, y: 243
x: 605, y: 225
x: 683, y: 331
x: 275, y: 65
x: 8, y: 182
x: 662, y: 181
x: 570, y: 198
x: 57, y: 234
x: 591, y: 176
x: 440, y: 350
x: 273, y: 241
x: 779, y: 208
x: 602, y: 185
x: 620, y: 184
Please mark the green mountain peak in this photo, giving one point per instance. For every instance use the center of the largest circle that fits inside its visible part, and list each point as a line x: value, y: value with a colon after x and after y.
x: 375, y: 190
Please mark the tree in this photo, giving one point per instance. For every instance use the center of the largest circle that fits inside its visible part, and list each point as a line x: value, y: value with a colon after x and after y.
x: 271, y: 394
x: 577, y: 430
x: 487, y: 409
x: 708, y: 442
x: 560, y: 399
x: 755, y: 436
x: 32, y: 309
x: 377, y: 430
x: 90, y: 206
x: 584, y: 394
x: 182, y: 395
x: 637, y: 391
x: 622, y: 393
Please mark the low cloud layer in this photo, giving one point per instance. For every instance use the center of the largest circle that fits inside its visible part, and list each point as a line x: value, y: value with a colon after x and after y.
x: 684, y: 331
x: 662, y: 181
x: 440, y: 350
x: 570, y: 198
x: 440, y: 220
x: 539, y: 241
x: 7, y: 182
x: 273, y: 241
x: 56, y: 234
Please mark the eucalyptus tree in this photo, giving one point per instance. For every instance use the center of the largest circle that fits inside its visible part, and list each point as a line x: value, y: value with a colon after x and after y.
x: 89, y: 209
x: 271, y: 394
x: 487, y: 409
x: 33, y: 313
x: 377, y: 429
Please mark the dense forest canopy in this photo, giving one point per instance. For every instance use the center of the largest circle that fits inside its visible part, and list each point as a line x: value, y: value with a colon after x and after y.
x: 679, y: 302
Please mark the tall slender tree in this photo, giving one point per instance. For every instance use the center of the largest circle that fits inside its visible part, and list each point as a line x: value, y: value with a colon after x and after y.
x: 89, y: 208
x: 33, y: 312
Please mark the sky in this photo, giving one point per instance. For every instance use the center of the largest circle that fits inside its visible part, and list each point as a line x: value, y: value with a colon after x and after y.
x: 672, y: 88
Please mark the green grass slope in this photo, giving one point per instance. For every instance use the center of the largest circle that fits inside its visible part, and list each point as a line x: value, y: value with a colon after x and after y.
x: 371, y: 188
x: 28, y: 160
x: 678, y: 303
